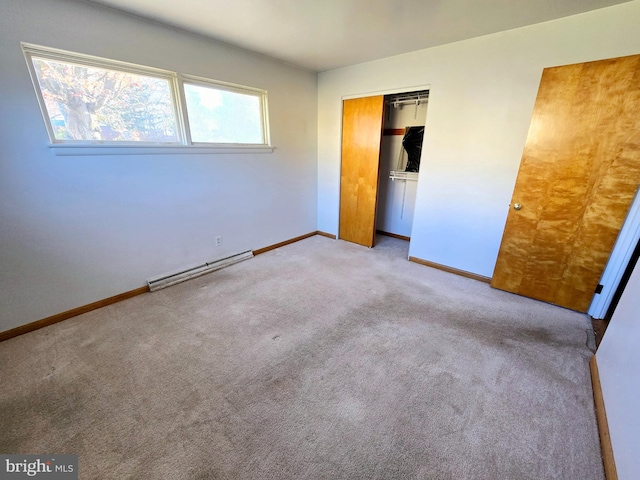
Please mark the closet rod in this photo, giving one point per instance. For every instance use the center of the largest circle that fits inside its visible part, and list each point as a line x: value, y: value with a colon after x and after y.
x: 407, y: 99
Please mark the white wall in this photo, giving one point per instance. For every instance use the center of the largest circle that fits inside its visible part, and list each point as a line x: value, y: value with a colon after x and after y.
x: 482, y: 93
x: 74, y: 230
x: 619, y: 368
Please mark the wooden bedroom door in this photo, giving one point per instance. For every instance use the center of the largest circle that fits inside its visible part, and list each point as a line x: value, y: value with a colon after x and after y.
x: 361, y: 139
x: 579, y: 172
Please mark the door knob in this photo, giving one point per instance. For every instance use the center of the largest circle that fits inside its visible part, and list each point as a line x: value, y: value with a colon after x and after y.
x: 517, y: 206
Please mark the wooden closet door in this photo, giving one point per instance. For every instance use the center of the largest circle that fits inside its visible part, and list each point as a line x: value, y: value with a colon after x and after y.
x: 579, y: 172
x: 361, y: 139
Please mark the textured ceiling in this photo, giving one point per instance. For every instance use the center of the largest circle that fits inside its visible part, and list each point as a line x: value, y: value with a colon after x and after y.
x: 325, y: 34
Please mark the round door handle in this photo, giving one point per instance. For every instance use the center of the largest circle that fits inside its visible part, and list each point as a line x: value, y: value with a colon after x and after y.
x: 517, y: 206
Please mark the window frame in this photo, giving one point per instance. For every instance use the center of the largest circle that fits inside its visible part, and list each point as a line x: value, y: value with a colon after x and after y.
x: 183, y: 144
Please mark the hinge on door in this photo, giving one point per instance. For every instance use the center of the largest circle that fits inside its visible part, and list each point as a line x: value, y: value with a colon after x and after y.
x: 599, y: 288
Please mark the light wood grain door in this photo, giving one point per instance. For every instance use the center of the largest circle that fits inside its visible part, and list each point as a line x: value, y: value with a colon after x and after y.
x: 361, y: 139
x: 578, y: 176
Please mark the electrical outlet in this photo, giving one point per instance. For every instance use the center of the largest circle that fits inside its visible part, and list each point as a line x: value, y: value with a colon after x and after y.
x: 218, y: 240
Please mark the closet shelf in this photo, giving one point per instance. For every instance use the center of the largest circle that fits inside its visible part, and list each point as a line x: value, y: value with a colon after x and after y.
x: 402, y: 175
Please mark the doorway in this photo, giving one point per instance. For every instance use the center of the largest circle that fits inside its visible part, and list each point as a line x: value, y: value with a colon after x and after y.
x: 381, y: 151
x: 405, y: 118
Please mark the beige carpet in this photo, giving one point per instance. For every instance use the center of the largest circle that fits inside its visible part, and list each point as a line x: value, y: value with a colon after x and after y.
x: 319, y: 360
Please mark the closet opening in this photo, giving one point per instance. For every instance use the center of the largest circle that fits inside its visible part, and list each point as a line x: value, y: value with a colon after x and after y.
x: 400, y: 154
x: 382, y: 139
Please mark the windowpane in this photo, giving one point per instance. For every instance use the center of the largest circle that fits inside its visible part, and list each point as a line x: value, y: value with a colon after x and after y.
x: 222, y: 116
x: 96, y: 104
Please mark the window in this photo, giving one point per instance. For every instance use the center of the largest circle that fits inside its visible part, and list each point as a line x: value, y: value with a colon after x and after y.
x: 85, y: 103
x: 90, y: 101
x: 223, y: 116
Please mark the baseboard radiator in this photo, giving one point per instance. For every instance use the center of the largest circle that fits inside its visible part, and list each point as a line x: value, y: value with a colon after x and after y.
x: 165, y: 281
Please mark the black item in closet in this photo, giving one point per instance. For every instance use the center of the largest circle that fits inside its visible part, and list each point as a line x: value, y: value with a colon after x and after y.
x: 412, y: 143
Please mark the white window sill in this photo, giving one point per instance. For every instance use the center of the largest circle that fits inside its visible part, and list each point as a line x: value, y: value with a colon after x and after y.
x: 88, y: 150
